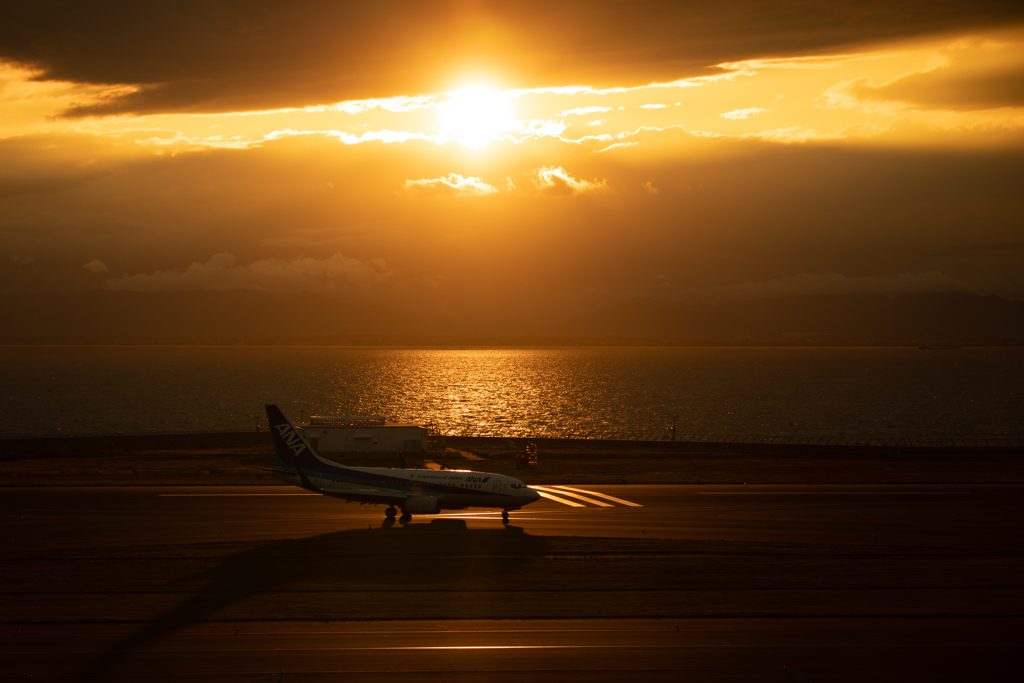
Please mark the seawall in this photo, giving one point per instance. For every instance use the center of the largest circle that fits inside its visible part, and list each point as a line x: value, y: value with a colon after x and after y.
x: 127, y: 443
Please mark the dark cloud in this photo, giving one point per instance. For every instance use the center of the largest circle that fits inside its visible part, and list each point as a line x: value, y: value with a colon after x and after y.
x: 190, y: 55
x: 752, y: 212
x: 952, y: 89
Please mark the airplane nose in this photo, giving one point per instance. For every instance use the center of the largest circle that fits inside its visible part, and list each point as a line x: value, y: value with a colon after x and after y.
x: 533, y: 495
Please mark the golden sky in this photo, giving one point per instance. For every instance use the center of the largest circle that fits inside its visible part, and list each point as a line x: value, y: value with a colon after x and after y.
x: 522, y: 158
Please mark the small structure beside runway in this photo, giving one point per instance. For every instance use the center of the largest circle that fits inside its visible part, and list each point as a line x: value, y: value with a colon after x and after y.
x: 334, y: 434
x: 527, y: 461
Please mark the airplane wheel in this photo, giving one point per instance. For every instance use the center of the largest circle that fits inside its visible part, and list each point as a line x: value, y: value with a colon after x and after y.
x: 405, y: 519
x: 504, y: 517
x: 390, y: 513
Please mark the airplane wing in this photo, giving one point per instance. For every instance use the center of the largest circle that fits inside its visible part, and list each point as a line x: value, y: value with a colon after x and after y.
x: 372, y: 496
x: 360, y: 495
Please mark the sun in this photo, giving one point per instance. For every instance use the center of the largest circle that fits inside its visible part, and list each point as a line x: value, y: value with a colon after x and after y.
x: 477, y: 115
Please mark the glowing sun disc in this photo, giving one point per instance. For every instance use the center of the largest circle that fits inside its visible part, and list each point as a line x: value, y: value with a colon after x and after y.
x: 475, y: 116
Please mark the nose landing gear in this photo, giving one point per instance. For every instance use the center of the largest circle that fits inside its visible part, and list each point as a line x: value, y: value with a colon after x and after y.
x: 504, y: 517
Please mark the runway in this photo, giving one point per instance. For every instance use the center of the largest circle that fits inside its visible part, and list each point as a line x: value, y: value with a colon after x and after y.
x: 702, y: 650
x: 969, y: 517
x: 723, y: 583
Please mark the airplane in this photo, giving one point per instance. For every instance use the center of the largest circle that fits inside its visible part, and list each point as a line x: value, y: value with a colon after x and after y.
x: 414, y: 491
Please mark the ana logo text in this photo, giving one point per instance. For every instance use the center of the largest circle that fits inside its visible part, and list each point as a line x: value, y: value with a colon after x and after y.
x: 291, y: 439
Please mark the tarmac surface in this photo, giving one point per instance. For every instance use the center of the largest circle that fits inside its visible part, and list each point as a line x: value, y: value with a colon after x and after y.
x: 673, y: 582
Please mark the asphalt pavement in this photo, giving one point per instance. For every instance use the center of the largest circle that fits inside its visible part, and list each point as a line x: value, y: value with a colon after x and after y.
x: 723, y: 583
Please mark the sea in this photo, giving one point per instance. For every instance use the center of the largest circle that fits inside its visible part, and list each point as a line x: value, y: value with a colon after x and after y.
x: 969, y: 396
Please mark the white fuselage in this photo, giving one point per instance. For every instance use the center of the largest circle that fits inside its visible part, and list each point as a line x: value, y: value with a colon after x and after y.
x: 455, y: 489
x: 414, y: 491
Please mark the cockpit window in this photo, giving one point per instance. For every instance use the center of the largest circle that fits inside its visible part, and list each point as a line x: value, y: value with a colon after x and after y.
x: 519, y: 486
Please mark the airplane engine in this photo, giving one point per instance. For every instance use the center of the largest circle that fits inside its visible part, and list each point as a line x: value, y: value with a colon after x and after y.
x: 422, y: 505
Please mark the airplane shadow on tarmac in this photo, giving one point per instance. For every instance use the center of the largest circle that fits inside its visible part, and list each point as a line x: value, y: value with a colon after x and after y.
x: 443, y: 552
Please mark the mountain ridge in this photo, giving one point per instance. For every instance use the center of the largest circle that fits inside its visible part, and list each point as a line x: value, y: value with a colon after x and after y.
x: 243, y: 316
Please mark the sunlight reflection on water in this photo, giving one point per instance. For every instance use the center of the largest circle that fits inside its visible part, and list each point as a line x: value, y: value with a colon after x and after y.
x: 624, y: 393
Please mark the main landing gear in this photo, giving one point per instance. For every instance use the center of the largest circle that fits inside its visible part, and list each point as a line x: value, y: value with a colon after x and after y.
x: 389, y: 516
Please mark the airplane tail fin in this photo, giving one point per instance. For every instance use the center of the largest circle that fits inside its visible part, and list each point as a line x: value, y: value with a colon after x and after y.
x: 290, y: 447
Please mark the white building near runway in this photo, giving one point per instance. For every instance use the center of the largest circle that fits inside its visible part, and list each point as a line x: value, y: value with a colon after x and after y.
x: 329, y: 434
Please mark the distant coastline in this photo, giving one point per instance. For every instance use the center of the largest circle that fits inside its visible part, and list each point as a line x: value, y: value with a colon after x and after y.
x: 128, y: 443
x: 238, y: 317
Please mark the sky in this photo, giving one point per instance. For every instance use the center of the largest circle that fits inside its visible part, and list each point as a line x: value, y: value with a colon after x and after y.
x: 529, y: 158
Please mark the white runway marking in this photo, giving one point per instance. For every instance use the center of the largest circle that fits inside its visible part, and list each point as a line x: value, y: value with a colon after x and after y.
x: 468, y: 514
x: 564, y: 501
x: 833, y: 493
x: 602, y: 495
x: 600, y: 503
x: 228, y: 495
x: 180, y: 651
